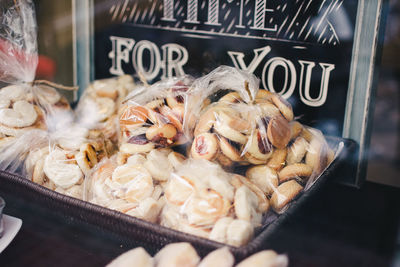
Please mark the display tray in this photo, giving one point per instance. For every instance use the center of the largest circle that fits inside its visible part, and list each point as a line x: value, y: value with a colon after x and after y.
x: 152, y: 236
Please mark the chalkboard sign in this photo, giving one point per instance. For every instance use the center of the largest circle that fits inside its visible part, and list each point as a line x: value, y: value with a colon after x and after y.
x: 319, y: 54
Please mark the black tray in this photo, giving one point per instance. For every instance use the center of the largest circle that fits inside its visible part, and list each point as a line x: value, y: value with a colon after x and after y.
x: 152, y: 236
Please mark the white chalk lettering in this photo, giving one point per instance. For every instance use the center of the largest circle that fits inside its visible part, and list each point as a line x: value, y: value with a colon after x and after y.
x: 290, y: 75
x: 290, y: 79
x: 176, y: 57
x: 305, y: 83
x: 154, y: 62
x: 120, y: 52
x: 147, y: 58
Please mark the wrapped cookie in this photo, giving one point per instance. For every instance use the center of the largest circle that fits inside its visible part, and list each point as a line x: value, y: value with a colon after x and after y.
x: 99, y: 106
x: 200, y: 194
x: 135, y: 185
x: 153, y: 116
x: 292, y: 169
x: 243, y: 125
x: 25, y: 102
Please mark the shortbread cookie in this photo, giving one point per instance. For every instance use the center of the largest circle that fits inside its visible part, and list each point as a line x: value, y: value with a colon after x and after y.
x: 295, y: 171
x: 278, y: 159
x: 296, y: 151
x: 229, y: 149
x: 205, y: 146
x: 284, y: 194
x: 284, y: 107
x: 264, y: 177
x: 278, y: 132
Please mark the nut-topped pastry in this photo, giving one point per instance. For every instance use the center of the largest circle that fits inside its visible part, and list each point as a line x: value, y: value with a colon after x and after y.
x: 153, y: 117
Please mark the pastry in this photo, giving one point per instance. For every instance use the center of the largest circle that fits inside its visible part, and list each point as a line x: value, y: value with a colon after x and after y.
x: 284, y: 194
x: 205, y: 146
x: 295, y: 171
x: 264, y: 177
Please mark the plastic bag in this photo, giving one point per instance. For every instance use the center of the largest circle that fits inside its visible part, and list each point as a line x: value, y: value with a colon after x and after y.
x: 99, y: 106
x: 58, y: 158
x: 204, y: 200
x: 293, y: 169
x: 25, y: 104
x: 247, y: 127
x: 153, y: 116
x: 134, y: 184
x: 209, y: 87
x: 240, y: 127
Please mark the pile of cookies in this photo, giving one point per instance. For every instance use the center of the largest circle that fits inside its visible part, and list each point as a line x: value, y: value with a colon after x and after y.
x: 211, y: 157
x: 183, y: 254
x: 24, y: 107
x: 153, y: 118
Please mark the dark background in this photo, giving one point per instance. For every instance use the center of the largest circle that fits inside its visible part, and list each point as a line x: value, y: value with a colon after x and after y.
x: 207, y: 54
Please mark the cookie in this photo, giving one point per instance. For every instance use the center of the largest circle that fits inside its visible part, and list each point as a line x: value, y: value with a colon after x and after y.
x: 239, y: 232
x: 284, y: 107
x: 206, y: 122
x: 133, y: 115
x: 264, y: 177
x: 221, y: 257
x: 263, y: 203
x: 295, y: 171
x: 284, y: 194
x: 205, y: 146
x: 295, y: 129
x: 269, y: 110
x: 222, y: 128
x: 259, y: 147
x: 218, y: 232
x: 278, y: 159
x: 232, y: 97
x: 278, y: 132
x: 229, y: 149
x: 296, y: 151
x: 136, y: 146
x: 264, y: 94
x: 162, y: 135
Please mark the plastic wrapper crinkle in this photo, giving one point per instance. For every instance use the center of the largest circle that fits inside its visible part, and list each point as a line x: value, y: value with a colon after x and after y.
x: 135, y: 185
x: 58, y: 159
x: 100, y: 105
x: 246, y: 128
x: 204, y: 200
x: 153, y: 116
x: 24, y: 103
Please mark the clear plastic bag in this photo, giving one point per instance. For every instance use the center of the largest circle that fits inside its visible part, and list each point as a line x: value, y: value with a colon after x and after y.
x: 153, y: 116
x: 204, y: 200
x: 25, y: 104
x: 133, y: 184
x: 99, y: 106
x: 293, y: 169
x: 63, y: 161
x: 245, y: 126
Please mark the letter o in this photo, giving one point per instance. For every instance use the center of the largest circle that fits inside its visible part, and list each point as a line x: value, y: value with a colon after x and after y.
x: 155, y: 59
x: 270, y: 66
